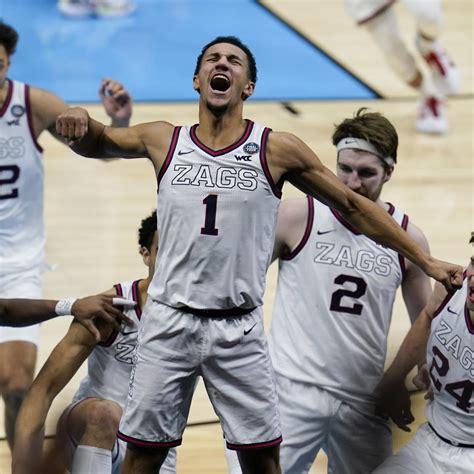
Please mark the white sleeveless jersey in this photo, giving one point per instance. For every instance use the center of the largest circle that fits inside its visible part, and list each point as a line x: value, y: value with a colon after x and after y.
x: 216, y: 220
x: 333, y: 307
x: 22, y: 234
x: 450, y: 358
x: 110, y: 363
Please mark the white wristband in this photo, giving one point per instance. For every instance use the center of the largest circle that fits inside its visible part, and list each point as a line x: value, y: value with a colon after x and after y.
x: 64, y: 306
x: 118, y: 301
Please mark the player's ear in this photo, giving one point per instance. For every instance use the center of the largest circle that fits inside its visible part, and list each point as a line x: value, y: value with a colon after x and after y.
x: 388, y: 173
x: 196, y: 85
x: 145, y: 253
x: 248, y: 90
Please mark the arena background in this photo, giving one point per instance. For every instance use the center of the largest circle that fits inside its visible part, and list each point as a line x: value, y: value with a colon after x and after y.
x: 315, y: 68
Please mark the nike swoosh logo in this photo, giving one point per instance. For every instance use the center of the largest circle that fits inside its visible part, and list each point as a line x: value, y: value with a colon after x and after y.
x: 319, y: 232
x: 451, y: 311
x: 127, y: 333
x: 187, y: 152
x: 246, y: 331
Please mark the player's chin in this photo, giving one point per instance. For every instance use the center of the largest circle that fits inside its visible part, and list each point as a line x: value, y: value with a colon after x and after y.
x: 217, y: 106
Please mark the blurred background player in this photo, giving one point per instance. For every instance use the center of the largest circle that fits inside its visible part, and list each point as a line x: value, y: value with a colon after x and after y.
x: 25, y: 112
x: 100, y: 8
x: 86, y: 433
x: 333, y: 308
x: 380, y: 20
x: 444, y: 334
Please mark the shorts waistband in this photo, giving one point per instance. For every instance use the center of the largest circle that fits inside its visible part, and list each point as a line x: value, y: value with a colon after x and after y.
x: 216, y: 313
x: 452, y: 443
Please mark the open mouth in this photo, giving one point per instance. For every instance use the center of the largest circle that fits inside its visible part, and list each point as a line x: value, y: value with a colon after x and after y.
x: 220, y: 83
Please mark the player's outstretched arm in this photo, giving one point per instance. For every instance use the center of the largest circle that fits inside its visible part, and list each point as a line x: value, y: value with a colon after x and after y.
x: 293, y: 159
x: 60, y: 367
x: 25, y: 312
x: 93, y: 139
x: 394, y: 397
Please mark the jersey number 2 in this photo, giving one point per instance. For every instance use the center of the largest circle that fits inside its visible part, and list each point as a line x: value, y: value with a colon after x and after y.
x: 357, y: 292
x: 210, y: 219
x: 13, y: 173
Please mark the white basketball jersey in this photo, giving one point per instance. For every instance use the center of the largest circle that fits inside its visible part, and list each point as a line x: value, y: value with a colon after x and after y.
x: 110, y: 363
x: 450, y: 358
x: 22, y: 234
x: 216, y: 220
x: 333, y: 307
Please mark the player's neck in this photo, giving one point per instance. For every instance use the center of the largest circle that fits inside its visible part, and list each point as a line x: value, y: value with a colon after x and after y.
x: 220, y: 132
x: 143, y: 290
x: 5, y: 87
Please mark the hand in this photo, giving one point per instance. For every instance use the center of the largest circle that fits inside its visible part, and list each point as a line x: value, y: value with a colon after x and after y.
x: 72, y: 125
x: 394, y: 403
x: 86, y: 310
x: 450, y: 275
x: 422, y: 381
x: 117, y: 102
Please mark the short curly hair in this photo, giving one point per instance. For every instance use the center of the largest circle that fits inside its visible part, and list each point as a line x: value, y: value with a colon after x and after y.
x: 8, y: 38
x: 372, y: 127
x: 147, y: 231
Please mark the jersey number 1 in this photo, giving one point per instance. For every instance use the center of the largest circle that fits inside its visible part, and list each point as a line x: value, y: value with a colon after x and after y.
x: 210, y: 220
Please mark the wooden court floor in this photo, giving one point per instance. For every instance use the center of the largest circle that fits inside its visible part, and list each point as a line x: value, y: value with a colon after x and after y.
x: 93, y: 209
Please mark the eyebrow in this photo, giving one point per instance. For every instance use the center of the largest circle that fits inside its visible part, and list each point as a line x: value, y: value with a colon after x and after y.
x: 228, y: 56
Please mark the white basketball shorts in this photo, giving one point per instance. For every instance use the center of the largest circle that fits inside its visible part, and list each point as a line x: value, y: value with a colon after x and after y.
x: 229, y: 352
x: 426, y: 452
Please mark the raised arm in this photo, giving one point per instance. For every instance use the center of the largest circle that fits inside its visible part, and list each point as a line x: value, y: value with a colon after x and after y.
x: 60, y: 367
x: 291, y: 158
x: 93, y: 139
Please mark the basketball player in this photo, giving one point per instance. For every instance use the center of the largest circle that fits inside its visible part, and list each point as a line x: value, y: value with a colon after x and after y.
x: 25, y: 112
x: 87, y: 428
x: 19, y: 312
x: 219, y: 191
x: 333, y: 308
x: 444, y: 332
x: 380, y: 20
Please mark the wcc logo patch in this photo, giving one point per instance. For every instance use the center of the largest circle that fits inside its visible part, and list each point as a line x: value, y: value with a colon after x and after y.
x: 251, y: 148
x: 17, y: 110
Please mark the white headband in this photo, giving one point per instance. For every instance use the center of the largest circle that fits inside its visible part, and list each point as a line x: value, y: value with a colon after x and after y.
x: 364, y: 145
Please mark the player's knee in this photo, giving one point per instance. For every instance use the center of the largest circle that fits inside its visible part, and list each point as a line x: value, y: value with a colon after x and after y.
x: 13, y: 397
x: 139, y: 456
x: 104, y: 417
x: 262, y: 461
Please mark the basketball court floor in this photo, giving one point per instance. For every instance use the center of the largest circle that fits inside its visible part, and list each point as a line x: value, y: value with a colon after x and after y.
x: 93, y: 209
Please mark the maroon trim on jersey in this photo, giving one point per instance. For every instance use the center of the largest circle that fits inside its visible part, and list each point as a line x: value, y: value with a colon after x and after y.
x: 227, y: 149
x: 446, y: 299
x: 401, y: 258
x: 376, y: 13
x: 113, y: 335
x: 344, y: 222
x: 29, y: 115
x: 265, y: 444
x: 136, y: 298
x: 169, y: 155
x: 263, y: 161
x: 307, y: 231
x: 8, y: 98
x: 149, y: 444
